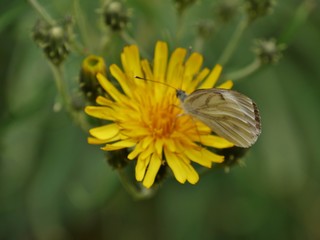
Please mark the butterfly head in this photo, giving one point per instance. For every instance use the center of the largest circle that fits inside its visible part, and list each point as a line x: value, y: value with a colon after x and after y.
x: 181, y: 95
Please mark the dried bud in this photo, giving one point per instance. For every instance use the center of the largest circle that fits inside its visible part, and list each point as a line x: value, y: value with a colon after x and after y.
x: 226, y: 10
x: 53, y: 39
x: 205, y: 28
x: 268, y: 51
x: 232, y: 156
x: 118, y: 159
x: 182, y: 5
x: 258, y: 8
x: 116, y: 16
x: 91, y: 66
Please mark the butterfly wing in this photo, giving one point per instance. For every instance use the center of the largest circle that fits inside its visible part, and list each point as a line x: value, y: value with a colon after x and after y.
x: 228, y: 113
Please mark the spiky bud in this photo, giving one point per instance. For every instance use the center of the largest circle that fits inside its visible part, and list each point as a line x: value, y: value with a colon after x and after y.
x: 268, y: 51
x: 258, y: 8
x: 116, y: 16
x: 53, y: 39
x: 182, y: 5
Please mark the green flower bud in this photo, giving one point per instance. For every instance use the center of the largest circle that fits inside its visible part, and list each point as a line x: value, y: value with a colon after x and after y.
x: 91, y: 66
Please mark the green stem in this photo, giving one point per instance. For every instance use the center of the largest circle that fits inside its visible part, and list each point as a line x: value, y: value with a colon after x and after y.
x: 135, y: 191
x: 42, y: 12
x: 81, y: 22
x: 198, y: 44
x: 77, y: 116
x: 129, y: 40
x: 244, y: 72
x: 228, y: 51
x: 78, y: 48
x: 60, y: 84
x: 179, y: 31
x: 300, y: 17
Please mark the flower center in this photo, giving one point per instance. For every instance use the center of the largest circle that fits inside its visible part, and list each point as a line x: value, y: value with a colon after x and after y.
x: 162, y: 121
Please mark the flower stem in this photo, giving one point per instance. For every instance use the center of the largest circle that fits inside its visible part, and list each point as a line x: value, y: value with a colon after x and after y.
x: 228, y: 51
x: 198, y: 44
x: 300, y: 17
x: 77, y: 116
x: 60, y: 84
x: 179, y: 30
x: 126, y: 37
x: 244, y: 72
x: 129, y: 40
x: 42, y: 12
x: 81, y: 22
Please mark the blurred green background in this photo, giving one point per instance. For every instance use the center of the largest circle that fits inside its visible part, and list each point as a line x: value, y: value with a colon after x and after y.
x: 55, y: 186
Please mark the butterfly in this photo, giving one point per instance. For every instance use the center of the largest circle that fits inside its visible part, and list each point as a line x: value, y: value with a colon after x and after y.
x: 228, y: 113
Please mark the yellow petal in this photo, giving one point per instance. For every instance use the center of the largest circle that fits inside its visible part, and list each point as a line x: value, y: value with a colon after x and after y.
x: 136, y: 132
x: 193, y: 85
x: 160, y: 61
x: 147, y: 141
x: 159, y: 146
x: 119, y: 145
x: 147, y: 152
x: 104, y: 101
x: 212, y: 78
x: 192, y: 67
x: 175, y: 63
x: 146, y: 69
x: 132, y: 58
x: 177, y: 168
x: 226, y: 85
x: 212, y: 156
x: 183, y: 142
x: 215, y: 141
x: 122, y: 79
x: 152, y: 171
x: 193, y: 64
x: 105, y: 132
x: 170, y: 144
x: 110, y: 89
x: 100, y: 112
x: 141, y: 168
x: 202, y: 128
x: 92, y: 140
x: 198, y: 157
x: 136, y: 151
x: 192, y: 175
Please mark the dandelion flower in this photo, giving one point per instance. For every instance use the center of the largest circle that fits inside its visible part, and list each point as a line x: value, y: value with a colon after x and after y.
x: 145, y: 118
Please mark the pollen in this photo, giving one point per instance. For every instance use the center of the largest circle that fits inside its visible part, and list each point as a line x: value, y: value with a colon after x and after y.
x: 162, y: 122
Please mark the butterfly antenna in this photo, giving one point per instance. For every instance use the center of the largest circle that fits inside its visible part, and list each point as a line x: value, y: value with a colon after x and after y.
x: 149, y: 80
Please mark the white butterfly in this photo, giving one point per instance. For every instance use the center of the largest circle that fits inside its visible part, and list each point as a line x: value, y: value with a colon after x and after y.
x: 228, y: 113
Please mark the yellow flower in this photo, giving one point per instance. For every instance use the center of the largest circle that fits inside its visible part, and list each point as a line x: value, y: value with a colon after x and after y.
x: 146, y: 118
